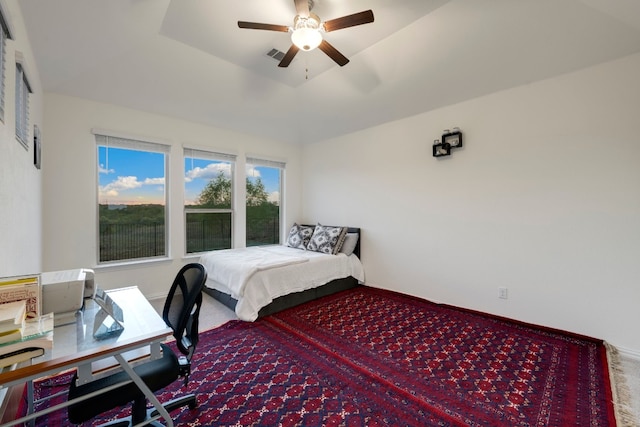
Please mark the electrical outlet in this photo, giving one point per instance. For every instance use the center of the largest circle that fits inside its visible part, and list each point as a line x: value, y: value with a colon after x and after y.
x: 502, y: 293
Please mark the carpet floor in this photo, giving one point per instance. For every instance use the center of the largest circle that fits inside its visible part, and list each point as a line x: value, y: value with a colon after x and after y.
x: 372, y: 357
x: 633, y: 383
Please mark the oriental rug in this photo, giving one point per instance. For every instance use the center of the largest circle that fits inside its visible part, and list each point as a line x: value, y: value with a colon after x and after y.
x: 370, y: 357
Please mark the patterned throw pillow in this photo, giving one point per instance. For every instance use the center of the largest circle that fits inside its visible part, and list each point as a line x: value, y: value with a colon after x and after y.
x: 326, y: 239
x: 299, y: 236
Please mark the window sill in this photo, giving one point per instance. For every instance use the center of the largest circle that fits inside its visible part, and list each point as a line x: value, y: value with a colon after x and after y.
x: 132, y: 263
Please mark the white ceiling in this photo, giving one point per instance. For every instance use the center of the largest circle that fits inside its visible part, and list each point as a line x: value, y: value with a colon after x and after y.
x: 189, y: 59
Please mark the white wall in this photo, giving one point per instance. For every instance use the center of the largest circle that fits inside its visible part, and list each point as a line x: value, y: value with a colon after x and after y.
x: 544, y: 199
x: 20, y: 181
x: 70, y: 184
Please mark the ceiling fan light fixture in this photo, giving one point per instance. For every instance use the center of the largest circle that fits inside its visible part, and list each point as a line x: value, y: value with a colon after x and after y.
x: 306, y: 38
x: 306, y: 32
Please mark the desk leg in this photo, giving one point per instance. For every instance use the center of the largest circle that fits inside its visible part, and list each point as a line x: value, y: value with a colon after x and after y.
x: 143, y: 387
x: 30, y: 398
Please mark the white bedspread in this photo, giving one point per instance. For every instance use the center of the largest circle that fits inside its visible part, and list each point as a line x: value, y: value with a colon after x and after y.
x: 263, y: 285
x: 234, y: 267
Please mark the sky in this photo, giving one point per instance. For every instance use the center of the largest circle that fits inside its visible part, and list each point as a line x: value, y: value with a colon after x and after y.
x: 129, y: 177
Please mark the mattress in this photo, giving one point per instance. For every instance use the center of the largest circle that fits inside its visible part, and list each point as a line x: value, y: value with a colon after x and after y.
x: 293, y: 270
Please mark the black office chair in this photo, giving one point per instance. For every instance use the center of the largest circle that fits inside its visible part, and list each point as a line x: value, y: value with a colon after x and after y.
x: 181, y: 312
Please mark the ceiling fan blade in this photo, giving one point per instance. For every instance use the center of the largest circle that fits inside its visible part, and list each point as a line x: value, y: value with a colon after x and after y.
x: 333, y: 53
x: 302, y: 7
x: 258, y: 26
x: 288, y: 57
x: 349, y: 21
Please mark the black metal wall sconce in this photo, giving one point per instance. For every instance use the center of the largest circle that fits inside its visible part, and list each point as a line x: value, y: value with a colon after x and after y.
x: 450, y: 139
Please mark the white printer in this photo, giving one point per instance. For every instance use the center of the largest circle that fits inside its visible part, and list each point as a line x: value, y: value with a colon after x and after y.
x: 63, y: 292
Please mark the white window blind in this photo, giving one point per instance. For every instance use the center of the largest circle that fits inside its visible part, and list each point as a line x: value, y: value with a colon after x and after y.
x: 209, y: 155
x: 132, y: 144
x: 4, y: 35
x: 263, y: 162
x: 22, y: 105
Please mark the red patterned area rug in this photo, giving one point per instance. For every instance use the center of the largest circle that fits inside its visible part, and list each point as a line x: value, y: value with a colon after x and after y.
x: 369, y: 357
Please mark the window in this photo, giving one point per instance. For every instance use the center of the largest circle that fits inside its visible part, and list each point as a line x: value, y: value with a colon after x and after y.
x: 4, y: 35
x: 208, y: 200
x: 132, y: 198
x: 264, y: 189
x: 22, y: 106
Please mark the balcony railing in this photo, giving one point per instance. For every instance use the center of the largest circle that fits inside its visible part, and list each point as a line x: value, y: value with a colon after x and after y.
x: 132, y: 241
x: 208, y: 234
x: 263, y: 231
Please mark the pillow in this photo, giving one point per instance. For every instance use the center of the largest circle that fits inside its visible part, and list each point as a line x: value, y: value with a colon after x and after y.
x: 299, y: 236
x: 350, y: 242
x: 326, y: 239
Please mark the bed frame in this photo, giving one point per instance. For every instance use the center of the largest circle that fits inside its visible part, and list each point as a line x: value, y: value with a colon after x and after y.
x: 296, y: 298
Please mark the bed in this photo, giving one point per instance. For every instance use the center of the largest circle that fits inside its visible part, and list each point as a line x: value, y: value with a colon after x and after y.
x: 262, y: 280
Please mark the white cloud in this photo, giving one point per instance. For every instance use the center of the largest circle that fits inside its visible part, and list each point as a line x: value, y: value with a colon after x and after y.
x: 124, y: 183
x: 274, y: 197
x: 101, y: 169
x: 154, y: 181
x: 210, y: 172
x: 252, y: 172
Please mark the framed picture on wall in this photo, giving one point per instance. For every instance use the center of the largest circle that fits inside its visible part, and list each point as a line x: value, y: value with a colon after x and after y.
x: 37, y: 142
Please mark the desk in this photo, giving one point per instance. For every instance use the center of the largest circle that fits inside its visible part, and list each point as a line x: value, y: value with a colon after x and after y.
x: 75, y: 347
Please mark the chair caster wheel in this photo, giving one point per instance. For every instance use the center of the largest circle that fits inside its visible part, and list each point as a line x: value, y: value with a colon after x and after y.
x: 193, y: 404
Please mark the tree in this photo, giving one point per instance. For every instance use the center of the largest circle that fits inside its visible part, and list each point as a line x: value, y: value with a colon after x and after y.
x: 217, y: 193
x: 256, y: 193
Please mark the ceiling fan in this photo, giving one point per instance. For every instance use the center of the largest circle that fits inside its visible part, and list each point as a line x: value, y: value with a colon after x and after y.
x: 307, y: 29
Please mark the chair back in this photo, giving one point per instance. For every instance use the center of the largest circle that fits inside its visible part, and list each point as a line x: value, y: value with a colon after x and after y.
x: 182, y: 307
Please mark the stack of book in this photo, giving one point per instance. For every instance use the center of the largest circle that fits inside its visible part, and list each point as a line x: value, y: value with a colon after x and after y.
x: 12, y: 316
x: 25, y: 288
x: 21, y: 339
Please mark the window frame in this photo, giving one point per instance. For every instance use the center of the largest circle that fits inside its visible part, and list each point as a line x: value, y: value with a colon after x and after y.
x: 23, y: 89
x: 259, y: 161
x: 204, y: 154
x: 5, y: 34
x: 137, y: 144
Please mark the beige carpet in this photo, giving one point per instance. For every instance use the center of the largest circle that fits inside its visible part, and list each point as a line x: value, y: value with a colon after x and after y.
x: 625, y: 379
x: 625, y: 370
x: 212, y: 313
x: 631, y: 367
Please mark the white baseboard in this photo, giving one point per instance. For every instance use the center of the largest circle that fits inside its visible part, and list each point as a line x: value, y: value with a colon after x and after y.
x: 628, y: 353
